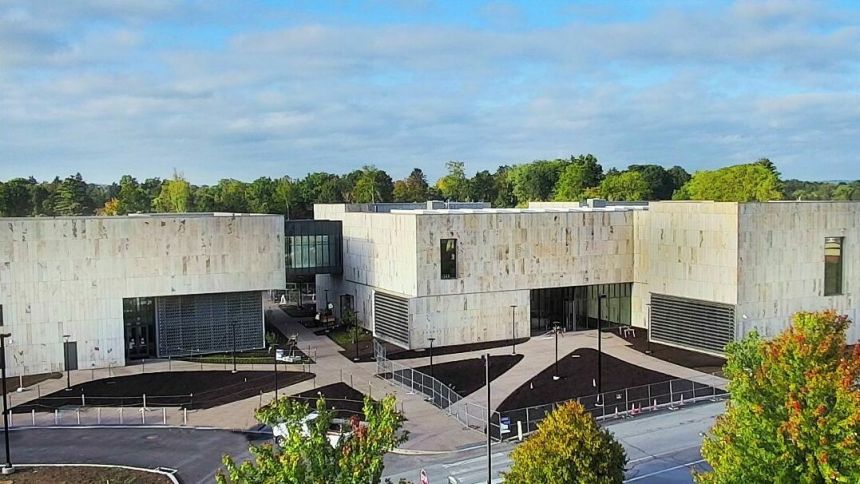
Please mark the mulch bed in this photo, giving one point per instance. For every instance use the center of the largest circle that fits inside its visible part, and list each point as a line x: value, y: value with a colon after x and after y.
x: 466, y: 376
x: 12, y: 382
x: 297, y: 312
x: 340, y: 397
x: 189, y: 389
x: 82, y: 475
x: 393, y: 352
x: 577, y: 370
x: 688, y: 359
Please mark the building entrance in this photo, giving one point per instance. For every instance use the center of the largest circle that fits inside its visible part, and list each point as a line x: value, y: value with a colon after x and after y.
x: 574, y: 308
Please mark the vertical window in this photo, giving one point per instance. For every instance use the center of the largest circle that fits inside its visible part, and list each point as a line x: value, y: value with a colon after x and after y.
x: 449, y: 258
x: 832, y: 266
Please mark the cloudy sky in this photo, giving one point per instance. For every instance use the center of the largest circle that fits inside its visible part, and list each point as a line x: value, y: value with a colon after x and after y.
x: 222, y: 89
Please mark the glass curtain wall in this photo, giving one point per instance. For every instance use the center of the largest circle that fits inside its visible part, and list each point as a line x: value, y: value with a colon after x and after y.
x: 138, y: 315
x: 575, y: 307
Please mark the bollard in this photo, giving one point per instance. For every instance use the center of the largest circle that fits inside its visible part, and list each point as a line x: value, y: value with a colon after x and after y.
x: 78, y: 415
x: 184, y: 416
x: 144, y: 400
x: 120, y: 415
x: 33, y: 414
x: 520, y: 430
x: 350, y: 381
x: 56, y: 416
x: 143, y: 365
x: 142, y: 416
x: 163, y: 416
x: 370, y: 389
x: 99, y: 415
x: 83, y: 400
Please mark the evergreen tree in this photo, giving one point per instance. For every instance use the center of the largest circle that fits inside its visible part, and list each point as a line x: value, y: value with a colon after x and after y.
x: 72, y: 197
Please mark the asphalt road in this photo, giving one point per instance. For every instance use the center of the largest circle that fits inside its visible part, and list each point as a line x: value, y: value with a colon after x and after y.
x: 196, y: 454
x: 662, y: 448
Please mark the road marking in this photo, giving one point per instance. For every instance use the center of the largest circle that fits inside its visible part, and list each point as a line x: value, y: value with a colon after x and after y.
x: 652, y: 474
x: 661, y: 454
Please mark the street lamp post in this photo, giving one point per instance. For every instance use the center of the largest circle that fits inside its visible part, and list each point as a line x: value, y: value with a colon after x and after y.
x: 233, y: 352
x: 556, y: 376
x: 431, y: 354
x: 66, y: 361
x: 513, y: 329
x: 7, y: 469
x: 275, y: 361
x: 600, y: 299
x: 355, y: 340
x: 648, y: 349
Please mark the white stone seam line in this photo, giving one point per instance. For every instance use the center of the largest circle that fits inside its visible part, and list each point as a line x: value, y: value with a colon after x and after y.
x: 169, y: 475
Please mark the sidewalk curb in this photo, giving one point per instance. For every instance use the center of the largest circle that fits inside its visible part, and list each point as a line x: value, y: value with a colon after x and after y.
x: 116, y: 426
x: 169, y: 475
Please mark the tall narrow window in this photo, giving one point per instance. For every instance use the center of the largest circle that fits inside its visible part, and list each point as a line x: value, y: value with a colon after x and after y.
x: 832, y: 266
x: 449, y: 258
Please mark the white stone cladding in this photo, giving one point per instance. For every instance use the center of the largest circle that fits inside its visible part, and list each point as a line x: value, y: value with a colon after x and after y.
x: 781, y: 256
x: 69, y: 275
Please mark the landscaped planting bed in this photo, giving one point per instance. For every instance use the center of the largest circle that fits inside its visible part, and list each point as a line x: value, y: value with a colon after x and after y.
x: 340, y: 397
x: 688, y: 359
x: 189, y: 389
x: 82, y: 475
x: 466, y: 376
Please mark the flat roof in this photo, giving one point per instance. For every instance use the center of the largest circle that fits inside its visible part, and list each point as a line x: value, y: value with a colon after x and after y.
x: 463, y: 211
x: 144, y: 215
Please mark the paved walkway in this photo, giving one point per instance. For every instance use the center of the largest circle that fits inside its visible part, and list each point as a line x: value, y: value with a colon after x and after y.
x: 430, y: 429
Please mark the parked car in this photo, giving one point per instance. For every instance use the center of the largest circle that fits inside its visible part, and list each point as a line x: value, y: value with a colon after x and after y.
x: 338, y: 431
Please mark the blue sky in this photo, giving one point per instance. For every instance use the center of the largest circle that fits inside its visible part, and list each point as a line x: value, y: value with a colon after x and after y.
x: 219, y: 89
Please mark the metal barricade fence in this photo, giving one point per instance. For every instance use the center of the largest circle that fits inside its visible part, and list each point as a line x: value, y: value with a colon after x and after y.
x: 466, y: 412
x: 625, y: 403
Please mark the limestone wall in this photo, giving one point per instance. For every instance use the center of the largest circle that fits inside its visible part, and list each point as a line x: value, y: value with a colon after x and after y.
x: 781, y: 256
x: 685, y: 249
x: 69, y: 275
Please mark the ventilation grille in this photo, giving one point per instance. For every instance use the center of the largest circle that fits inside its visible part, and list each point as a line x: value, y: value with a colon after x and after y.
x: 391, y: 317
x: 203, y: 323
x: 691, y: 323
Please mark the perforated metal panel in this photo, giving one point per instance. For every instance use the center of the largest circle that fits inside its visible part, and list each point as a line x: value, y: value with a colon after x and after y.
x: 204, y: 323
x: 691, y: 323
x: 391, y: 318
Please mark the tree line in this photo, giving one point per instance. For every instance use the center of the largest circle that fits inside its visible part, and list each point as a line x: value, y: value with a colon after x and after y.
x: 572, y: 179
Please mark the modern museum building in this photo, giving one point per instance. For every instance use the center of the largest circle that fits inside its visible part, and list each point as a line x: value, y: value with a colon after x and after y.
x: 88, y: 292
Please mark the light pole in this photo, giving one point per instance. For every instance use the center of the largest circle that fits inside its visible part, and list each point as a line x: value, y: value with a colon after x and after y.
x: 326, y: 302
x: 513, y: 329
x: 600, y: 299
x: 556, y: 376
x: 431, y: 354
x: 275, y: 360
x: 489, y: 420
x: 648, y: 349
x: 7, y: 469
x: 66, y: 361
x: 233, y: 352
x: 355, y: 339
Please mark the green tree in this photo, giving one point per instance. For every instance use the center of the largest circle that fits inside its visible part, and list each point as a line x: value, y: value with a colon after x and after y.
x: 132, y: 198
x: 626, y: 185
x: 680, y: 177
x: 794, y: 413
x: 504, y: 188
x: 372, y: 186
x: 175, y: 196
x: 413, y: 188
x: 321, y: 187
x: 571, y: 184
x: 536, y: 181
x: 260, y: 196
x: 660, y: 181
x: 230, y: 196
x: 568, y: 446
x: 72, y: 197
x: 482, y: 187
x: 739, y: 183
x: 454, y: 185
x: 311, y: 459
x: 286, y: 197
x: 16, y: 197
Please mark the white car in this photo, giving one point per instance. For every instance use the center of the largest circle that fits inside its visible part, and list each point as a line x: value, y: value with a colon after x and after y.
x: 339, y: 430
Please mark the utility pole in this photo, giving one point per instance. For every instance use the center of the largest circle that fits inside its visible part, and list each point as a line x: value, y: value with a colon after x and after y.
x: 555, y: 375
x: 275, y: 350
x: 600, y: 299
x: 66, y: 362
x: 431, y: 355
x: 233, y: 352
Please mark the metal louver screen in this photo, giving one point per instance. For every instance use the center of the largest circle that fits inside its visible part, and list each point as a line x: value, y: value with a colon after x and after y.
x: 391, y: 318
x: 204, y: 323
x: 699, y: 325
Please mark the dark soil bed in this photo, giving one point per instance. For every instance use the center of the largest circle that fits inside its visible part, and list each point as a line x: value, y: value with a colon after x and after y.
x: 12, y: 382
x: 365, y: 349
x: 82, y: 475
x: 466, y: 376
x: 689, y: 359
x: 190, y: 389
x: 340, y: 397
x: 579, y: 369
